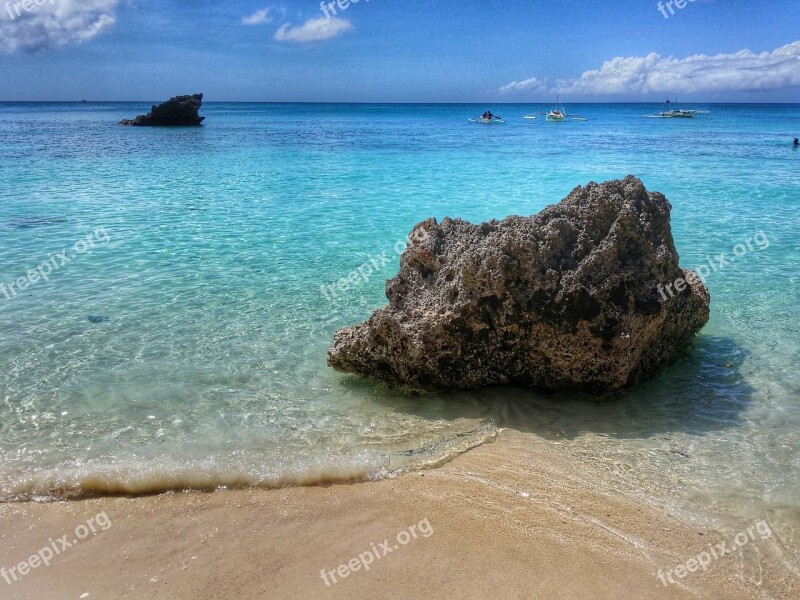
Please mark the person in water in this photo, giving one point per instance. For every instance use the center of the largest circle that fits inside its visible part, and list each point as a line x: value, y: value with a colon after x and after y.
x: 796, y: 143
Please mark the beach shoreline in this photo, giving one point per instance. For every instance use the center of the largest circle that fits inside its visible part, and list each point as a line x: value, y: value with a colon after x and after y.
x: 508, y: 519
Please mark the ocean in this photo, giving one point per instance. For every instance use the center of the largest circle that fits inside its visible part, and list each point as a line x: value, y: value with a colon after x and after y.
x: 168, y: 297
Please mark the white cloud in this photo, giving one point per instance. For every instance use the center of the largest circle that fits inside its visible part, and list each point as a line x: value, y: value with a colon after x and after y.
x: 313, y: 30
x: 53, y: 23
x: 260, y: 17
x: 740, y: 71
x: 529, y: 84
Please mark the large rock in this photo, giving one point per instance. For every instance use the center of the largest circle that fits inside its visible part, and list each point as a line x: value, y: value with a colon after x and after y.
x: 567, y: 298
x: 177, y: 111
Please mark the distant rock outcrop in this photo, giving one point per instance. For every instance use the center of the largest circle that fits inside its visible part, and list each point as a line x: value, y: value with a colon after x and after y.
x: 570, y: 298
x: 177, y: 111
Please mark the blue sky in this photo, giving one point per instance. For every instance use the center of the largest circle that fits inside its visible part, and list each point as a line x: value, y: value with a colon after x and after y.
x: 401, y: 51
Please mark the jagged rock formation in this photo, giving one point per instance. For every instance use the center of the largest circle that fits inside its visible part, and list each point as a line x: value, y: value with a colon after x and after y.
x: 177, y: 111
x: 574, y: 297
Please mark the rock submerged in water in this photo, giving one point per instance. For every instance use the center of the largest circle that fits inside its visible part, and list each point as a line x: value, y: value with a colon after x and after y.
x: 175, y: 112
x: 574, y: 297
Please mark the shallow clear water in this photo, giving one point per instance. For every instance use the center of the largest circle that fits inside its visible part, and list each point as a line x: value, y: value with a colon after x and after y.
x: 186, y: 349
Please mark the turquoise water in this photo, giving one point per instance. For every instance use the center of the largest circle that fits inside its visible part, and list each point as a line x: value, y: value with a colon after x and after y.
x: 185, y: 347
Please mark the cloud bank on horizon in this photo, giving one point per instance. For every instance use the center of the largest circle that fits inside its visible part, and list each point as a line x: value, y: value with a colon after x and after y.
x: 740, y: 71
x: 49, y: 24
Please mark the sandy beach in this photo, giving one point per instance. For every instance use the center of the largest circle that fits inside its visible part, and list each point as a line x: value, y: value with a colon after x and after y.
x: 510, y: 519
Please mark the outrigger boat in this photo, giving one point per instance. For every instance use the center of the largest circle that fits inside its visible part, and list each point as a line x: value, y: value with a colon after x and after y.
x: 487, y: 118
x: 486, y: 121
x: 677, y: 113
x: 674, y: 114
x: 558, y: 114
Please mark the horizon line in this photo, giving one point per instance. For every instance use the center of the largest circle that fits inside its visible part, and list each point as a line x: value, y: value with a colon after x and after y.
x: 390, y: 103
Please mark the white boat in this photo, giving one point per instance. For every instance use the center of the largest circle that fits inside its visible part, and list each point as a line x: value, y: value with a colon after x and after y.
x: 485, y: 121
x: 558, y: 114
x: 675, y: 114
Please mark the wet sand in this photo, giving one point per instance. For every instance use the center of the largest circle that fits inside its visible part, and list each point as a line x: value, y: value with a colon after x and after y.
x: 510, y: 519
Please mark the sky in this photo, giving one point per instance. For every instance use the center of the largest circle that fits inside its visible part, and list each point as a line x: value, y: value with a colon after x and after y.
x: 401, y: 51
